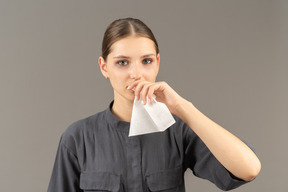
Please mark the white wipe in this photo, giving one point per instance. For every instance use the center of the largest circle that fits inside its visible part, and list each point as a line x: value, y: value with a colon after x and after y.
x: 149, y: 118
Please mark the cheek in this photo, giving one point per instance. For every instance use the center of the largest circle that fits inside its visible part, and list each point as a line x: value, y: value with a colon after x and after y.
x: 150, y: 74
x: 118, y: 77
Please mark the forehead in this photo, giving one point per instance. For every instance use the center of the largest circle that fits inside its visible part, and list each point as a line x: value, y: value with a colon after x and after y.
x: 133, y: 46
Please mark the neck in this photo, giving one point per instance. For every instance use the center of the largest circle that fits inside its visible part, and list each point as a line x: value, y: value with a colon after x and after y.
x: 122, y: 108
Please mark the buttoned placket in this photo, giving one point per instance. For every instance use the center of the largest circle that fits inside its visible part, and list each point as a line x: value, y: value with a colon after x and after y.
x: 134, y: 165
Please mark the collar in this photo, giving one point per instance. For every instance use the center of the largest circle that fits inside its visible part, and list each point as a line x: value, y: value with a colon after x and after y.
x: 114, y: 122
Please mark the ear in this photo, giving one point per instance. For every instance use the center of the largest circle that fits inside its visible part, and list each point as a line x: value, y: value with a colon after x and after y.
x: 158, y: 62
x: 103, y: 67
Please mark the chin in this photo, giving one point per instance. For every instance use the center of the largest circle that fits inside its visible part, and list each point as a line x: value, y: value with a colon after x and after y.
x: 128, y: 95
x: 131, y: 96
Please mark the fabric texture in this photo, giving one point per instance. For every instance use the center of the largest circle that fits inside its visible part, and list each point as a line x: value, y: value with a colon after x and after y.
x: 96, y: 154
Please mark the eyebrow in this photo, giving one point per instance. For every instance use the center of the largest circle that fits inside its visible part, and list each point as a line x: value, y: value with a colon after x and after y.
x: 126, y: 57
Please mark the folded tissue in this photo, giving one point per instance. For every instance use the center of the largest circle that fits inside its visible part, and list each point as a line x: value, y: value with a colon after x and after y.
x: 149, y: 118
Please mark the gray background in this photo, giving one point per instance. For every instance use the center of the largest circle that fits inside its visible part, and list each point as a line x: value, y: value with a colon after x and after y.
x: 229, y: 58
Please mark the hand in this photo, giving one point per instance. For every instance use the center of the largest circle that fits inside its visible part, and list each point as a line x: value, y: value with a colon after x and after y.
x: 163, y: 92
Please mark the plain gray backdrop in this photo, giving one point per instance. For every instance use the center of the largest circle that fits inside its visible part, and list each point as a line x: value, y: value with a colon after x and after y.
x: 229, y: 58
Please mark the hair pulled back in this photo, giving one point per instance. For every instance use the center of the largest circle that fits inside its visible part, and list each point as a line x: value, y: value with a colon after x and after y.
x: 122, y: 28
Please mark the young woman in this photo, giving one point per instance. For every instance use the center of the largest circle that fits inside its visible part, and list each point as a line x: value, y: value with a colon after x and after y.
x: 96, y: 154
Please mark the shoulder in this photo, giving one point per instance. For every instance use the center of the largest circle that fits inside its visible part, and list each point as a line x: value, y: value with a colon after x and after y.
x: 74, y: 135
x: 181, y: 126
x: 84, y: 124
x: 183, y: 130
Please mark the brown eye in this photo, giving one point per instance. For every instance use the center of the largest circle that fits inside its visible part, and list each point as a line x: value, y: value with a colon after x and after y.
x: 147, y: 61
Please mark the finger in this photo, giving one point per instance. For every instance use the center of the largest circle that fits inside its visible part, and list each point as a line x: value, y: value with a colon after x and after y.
x: 151, y: 92
x: 132, y: 86
x: 138, y: 89
x: 144, y: 92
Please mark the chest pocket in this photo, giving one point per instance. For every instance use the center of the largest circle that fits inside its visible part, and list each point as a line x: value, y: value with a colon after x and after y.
x: 100, y: 182
x: 170, y: 180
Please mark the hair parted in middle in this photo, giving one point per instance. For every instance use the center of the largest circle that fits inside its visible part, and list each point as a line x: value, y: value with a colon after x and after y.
x: 122, y: 28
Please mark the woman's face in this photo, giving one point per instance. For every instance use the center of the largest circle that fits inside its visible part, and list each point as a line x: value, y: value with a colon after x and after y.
x: 131, y: 58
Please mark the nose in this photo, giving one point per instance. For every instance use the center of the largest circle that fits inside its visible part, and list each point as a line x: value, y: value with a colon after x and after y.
x: 135, y: 72
x: 136, y: 77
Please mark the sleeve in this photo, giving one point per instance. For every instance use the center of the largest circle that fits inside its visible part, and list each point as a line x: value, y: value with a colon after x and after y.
x: 204, y: 165
x: 66, y: 172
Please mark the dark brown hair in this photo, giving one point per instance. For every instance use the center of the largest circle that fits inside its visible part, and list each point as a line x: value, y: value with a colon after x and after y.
x: 122, y: 28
